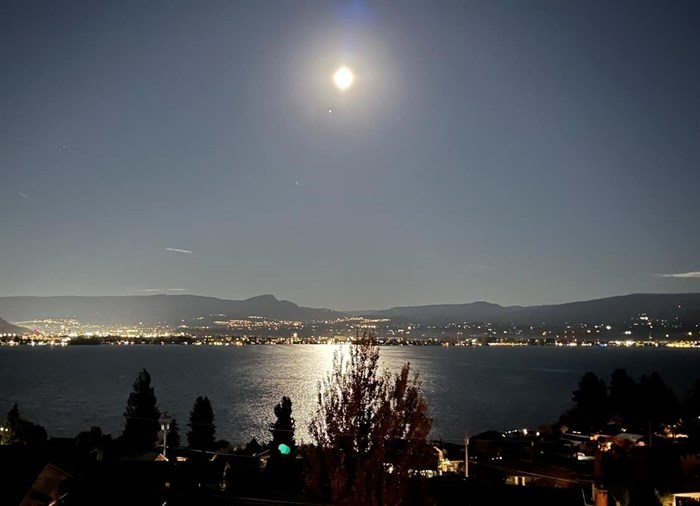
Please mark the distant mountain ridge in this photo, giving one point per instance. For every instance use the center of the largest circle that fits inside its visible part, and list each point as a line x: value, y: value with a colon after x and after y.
x: 151, y: 309
x: 173, y: 309
x: 446, y: 313
x: 7, y: 328
x: 684, y: 306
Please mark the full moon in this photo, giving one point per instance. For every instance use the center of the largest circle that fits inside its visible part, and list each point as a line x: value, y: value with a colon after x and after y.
x: 343, y: 78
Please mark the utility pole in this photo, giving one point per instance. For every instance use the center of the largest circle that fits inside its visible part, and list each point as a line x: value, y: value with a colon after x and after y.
x: 466, y: 455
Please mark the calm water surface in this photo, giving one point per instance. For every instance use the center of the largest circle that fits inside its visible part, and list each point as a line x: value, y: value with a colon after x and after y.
x: 468, y: 389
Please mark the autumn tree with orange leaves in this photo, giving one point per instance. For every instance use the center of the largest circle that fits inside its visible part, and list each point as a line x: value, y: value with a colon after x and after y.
x: 369, y: 431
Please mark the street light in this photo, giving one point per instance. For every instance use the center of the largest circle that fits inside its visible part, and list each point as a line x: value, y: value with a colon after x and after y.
x: 165, y: 427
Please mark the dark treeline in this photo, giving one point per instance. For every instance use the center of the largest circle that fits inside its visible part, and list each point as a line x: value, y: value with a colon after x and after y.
x: 635, y: 406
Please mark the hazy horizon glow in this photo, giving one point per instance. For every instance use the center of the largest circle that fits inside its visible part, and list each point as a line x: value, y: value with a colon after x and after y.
x: 520, y: 153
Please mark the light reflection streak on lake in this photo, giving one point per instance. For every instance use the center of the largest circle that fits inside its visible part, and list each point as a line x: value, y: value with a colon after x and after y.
x: 468, y: 389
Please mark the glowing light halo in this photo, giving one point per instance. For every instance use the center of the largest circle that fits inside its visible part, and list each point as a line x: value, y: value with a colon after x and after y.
x: 343, y: 78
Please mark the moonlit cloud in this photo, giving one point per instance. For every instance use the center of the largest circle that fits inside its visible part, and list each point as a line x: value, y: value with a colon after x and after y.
x: 681, y: 275
x: 23, y: 195
x: 178, y: 250
x: 152, y: 290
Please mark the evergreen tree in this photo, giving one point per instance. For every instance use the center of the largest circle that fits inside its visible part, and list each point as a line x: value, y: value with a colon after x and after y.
x: 283, y: 429
x: 281, y: 468
x: 623, y: 395
x: 174, y: 434
x: 657, y: 402
x: 591, y: 401
x: 9, y: 430
x: 202, y: 428
x: 19, y: 431
x: 142, y: 415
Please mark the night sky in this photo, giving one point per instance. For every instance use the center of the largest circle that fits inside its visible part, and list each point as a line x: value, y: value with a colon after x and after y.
x: 520, y: 152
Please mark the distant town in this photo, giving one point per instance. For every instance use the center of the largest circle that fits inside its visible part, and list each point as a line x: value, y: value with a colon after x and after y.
x: 659, y: 320
x: 640, y: 331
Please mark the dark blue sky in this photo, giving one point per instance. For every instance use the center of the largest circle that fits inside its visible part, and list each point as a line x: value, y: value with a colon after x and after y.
x: 520, y: 152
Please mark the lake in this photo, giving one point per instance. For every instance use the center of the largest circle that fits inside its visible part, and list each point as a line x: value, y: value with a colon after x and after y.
x: 469, y: 389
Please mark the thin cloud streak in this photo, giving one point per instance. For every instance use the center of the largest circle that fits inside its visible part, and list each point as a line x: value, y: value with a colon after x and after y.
x: 178, y: 250
x: 681, y: 275
x: 23, y: 195
x: 152, y: 290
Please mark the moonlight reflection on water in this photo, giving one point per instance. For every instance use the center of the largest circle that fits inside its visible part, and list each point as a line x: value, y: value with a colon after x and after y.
x: 468, y: 389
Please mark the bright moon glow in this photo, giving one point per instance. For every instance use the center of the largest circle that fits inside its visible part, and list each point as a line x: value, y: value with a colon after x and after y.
x: 343, y: 78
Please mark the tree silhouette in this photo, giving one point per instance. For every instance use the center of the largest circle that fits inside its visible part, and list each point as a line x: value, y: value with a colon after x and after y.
x: 283, y: 428
x: 366, y: 422
x: 591, y: 401
x: 17, y: 431
x: 623, y: 394
x: 92, y: 445
x: 657, y: 402
x: 639, y: 407
x: 281, y: 468
x: 141, y: 414
x: 202, y: 428
x: 174, y: 434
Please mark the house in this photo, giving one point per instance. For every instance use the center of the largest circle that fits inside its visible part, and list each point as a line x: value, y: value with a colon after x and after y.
x: 47, y: 488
